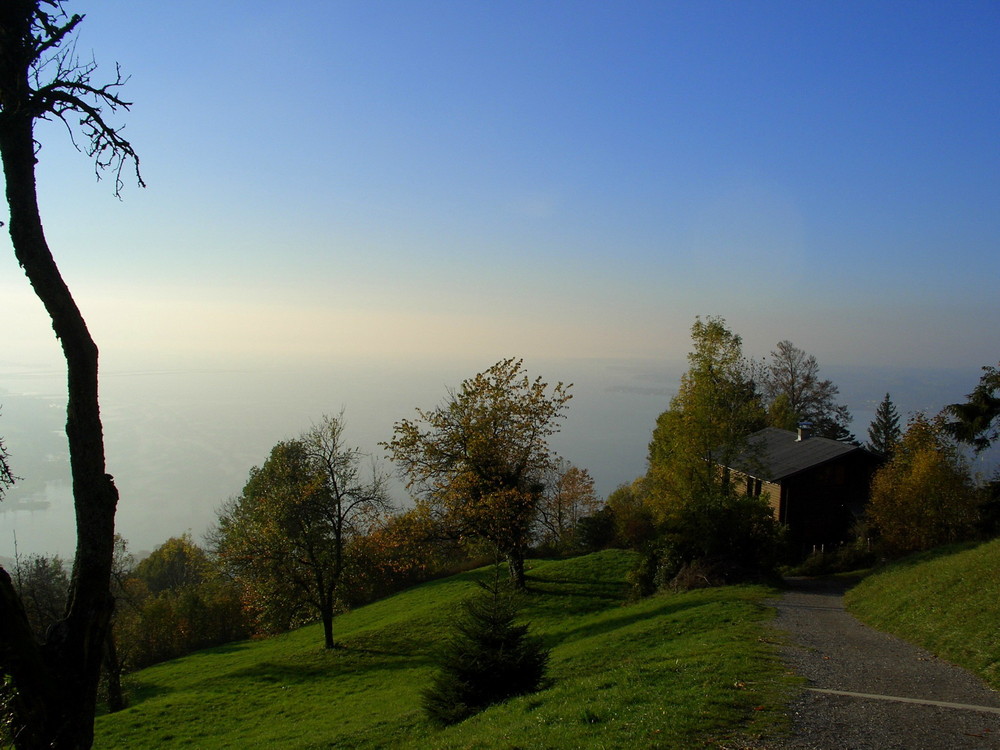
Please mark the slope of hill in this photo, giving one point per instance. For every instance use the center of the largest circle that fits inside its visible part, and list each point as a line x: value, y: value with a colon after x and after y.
x: 946, y: 601
x: 669, y: 671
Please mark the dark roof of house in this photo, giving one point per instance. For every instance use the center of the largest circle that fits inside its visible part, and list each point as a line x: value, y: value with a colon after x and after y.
x: 773, y: 454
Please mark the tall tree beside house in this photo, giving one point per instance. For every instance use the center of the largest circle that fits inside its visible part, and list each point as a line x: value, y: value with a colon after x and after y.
x: 715, y: 409
x: 55, y: 681
x: 479, y: 462
x: 795, y: 393
x: 884, y: 431
x: 289, y: 536
x: 705, y: 522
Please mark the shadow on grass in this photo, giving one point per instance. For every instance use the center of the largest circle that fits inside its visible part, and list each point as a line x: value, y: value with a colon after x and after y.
x: 350, y: 662
x: 831, y: 586
x: 628, y: 616
x: 138, y: 691
x: 581, y: 588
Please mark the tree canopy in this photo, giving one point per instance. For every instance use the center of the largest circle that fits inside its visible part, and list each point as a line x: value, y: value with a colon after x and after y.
x: 716, y: 408
x: 288, y: 536
x: 569, y: 496
x: 978, y: 417
x: 478, y: 463
x: 925, y: 495
x: 706, y: 527
x: 176, y: 563
x: 795, y: 393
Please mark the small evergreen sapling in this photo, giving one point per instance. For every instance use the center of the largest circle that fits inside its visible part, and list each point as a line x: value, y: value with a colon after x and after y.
x: 486, y: 659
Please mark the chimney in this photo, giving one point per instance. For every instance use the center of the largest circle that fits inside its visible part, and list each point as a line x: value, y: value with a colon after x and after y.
x: 805, y: 431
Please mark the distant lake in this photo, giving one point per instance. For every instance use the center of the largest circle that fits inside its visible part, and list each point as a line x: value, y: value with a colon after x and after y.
x: 181, y: 441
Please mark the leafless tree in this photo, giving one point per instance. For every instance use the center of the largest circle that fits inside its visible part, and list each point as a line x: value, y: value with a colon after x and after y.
x: 41, y: 78
x: 795, y: 393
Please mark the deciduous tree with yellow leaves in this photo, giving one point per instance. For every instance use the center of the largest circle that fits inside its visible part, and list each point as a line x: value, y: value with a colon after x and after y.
x: 925, y: 495
x: 478, y: 463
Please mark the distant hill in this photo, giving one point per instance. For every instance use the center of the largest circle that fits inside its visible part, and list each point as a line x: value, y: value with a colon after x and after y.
x: 668, y: 671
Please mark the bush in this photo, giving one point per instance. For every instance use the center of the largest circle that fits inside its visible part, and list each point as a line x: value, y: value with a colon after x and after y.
x: 596, y: 531
x: 486, y: 660
x: 720, y: 538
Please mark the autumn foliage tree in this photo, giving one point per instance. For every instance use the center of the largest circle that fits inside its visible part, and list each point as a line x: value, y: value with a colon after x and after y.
x: 173, y: 602
x: 925, y: 495
x: 478, y: 463
x: 289, y: 536
x: 55, y: 679
x: 569, y: 496
x: 632, y: 516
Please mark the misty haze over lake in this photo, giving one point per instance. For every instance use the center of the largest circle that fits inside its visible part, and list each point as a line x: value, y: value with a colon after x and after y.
x: 180, y: 442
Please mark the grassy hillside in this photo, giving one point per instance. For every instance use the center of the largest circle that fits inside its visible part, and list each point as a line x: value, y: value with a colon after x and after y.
x: 947, y: 601
x: 674, y: 671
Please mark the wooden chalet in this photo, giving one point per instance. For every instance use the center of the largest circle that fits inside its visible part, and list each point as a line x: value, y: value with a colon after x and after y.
x: 817, y: 487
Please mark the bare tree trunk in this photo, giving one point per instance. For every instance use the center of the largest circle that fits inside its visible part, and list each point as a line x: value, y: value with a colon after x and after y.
x: 113, y: 674
x: 57, y: 680
x: 327, y: 616
x: 515, y: 566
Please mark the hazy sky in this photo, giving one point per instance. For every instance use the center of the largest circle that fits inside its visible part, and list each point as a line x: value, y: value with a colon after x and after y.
x: 428, y: 182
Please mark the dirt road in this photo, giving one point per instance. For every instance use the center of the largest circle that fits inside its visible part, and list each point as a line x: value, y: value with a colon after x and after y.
x: 867, y: 690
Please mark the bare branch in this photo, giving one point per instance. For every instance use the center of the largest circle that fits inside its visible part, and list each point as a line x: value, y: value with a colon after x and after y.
x: 59, y: 85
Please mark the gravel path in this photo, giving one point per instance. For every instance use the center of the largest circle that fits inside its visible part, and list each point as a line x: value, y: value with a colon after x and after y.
x: 932, y: 705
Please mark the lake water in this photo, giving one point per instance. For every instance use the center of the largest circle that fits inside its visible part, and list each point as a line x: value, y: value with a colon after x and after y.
x: 180, y: 441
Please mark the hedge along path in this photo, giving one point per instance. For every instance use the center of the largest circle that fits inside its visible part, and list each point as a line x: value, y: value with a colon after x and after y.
x: 867, y: 689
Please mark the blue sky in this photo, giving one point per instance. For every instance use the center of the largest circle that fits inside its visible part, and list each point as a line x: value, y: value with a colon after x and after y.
x: 414, y: 182
x: 574, y: 177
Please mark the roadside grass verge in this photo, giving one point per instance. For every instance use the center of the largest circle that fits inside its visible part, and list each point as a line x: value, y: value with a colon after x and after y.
x: 946, y: 601
x: 687, y: 670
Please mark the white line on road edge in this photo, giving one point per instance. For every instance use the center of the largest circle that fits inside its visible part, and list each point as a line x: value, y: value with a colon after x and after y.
x: 943, y: 704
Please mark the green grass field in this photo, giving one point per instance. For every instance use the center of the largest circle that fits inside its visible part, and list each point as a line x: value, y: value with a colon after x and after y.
x: 679, y: 671
x: 946, y: 601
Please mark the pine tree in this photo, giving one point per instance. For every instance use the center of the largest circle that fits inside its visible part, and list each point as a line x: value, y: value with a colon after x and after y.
x: 884, y: 432
x: 486, y: 660
x: 978, y: 418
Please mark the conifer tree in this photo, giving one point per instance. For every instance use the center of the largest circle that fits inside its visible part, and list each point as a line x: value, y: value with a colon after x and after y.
x: 884, y: 432
x: 978, y: 418
x: 486, y: 660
